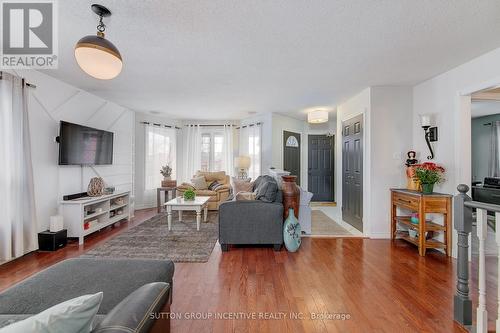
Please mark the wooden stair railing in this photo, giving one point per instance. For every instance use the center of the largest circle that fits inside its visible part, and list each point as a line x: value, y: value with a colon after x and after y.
x: 463, y: 206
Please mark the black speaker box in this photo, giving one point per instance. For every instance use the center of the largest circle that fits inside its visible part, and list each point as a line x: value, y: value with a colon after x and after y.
x: 51, y: 241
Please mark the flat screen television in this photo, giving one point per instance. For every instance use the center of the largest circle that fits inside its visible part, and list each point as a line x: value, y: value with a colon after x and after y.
x: 82, y: 145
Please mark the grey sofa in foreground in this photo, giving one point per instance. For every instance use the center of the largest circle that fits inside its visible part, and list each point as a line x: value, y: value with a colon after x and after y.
x: 251, y: 222
x: 132, y: 290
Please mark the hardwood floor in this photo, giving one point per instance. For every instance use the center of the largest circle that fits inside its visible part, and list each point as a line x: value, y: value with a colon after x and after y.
x: 382, y: 286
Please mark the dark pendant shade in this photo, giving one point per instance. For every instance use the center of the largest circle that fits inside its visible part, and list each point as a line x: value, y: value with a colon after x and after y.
x: 98, y: 57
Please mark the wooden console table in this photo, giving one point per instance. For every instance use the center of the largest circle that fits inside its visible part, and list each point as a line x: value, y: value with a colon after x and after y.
x: 422, y: 204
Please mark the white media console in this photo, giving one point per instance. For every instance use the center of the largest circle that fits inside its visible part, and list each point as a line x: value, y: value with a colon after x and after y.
x: 86, y: 215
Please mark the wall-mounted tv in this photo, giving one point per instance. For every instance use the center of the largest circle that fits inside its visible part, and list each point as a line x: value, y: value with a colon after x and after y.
x: 82, y: 145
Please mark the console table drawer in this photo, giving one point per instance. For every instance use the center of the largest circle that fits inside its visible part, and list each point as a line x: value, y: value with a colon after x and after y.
x: 406, y: 201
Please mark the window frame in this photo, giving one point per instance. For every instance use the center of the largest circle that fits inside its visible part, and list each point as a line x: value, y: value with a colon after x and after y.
x: 211, y: 153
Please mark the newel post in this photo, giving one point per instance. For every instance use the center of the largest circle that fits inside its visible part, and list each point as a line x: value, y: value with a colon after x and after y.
x: 463, y: 226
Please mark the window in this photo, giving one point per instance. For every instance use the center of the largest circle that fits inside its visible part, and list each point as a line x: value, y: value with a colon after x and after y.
x: 212, y: 151
x: 160, y: 145
x: 250, y: 145
x: 292, y: 141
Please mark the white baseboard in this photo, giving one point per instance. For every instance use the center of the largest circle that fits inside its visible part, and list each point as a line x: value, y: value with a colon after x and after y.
x: 380, y: 235
x: 137, y: 207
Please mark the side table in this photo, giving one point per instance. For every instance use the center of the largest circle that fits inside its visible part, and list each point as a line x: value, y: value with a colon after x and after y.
x: 166, y: 190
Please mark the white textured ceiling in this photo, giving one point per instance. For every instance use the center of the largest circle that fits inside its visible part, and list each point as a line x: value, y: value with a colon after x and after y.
x: 221, y: 59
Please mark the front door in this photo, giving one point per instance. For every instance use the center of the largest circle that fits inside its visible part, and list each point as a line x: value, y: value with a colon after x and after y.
x: 352, y: 172
x: 320, y: 169
x: 291, y: 153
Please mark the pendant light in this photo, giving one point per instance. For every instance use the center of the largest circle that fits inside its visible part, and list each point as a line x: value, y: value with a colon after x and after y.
x: 97, y: 56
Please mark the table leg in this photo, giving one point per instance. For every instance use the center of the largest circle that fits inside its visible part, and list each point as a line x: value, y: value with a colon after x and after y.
x: 421, y: 229
x: 205, y: 213
x: 158, y: 201
x: 180, y: 215
x: 198, y: 218
x: 169, y: 217
x: 449, y: 227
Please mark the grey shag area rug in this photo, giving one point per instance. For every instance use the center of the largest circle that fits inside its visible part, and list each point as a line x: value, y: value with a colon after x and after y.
x: 152, y: 240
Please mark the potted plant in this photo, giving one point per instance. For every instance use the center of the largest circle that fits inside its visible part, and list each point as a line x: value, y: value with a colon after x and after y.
x: 189, y: 195
x: 429, y: 174
x: 166, y: 172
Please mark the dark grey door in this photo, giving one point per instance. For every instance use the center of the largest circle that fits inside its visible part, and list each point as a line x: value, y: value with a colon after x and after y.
x: 291, y: 153
x: 352, y: 172
x: 320, y: 167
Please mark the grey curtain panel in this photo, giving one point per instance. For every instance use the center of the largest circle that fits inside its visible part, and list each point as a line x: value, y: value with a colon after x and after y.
x: 494, y: 165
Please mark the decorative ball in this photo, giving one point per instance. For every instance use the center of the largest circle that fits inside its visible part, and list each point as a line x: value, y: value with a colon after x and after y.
x: 96, y: 187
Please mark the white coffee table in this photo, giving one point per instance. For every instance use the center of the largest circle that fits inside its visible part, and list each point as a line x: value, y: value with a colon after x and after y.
x: 180, y: 205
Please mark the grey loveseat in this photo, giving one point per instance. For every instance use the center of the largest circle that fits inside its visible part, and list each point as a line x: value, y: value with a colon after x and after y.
x: 253, y: 221
x: 132, y: 289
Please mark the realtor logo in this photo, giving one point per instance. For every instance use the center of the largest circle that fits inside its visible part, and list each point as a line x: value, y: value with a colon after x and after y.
x: 29, y: 34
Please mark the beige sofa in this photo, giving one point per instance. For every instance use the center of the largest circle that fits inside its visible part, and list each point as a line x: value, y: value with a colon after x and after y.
x: 216, y: 197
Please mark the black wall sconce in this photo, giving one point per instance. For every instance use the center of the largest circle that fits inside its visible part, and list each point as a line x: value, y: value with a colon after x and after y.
x: 431, y: 133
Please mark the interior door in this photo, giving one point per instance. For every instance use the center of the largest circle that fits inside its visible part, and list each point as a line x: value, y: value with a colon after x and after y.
x: 291, y: 153
x: 320, y: 167
x: 352, y: 172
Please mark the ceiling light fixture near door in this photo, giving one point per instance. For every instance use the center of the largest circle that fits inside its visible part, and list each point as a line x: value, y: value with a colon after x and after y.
x: 97, y: 56
x: 317, y: 116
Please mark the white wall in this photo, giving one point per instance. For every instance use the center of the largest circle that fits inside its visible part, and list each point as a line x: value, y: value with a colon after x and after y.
x: 390, y: 139
x: 440, y: 96
x: 52, y: 101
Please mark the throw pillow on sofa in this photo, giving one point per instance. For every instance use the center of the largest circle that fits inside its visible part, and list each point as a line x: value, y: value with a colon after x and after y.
x: 73, y: 316
x: 244, y: 196
x: 199, y: 183
x: 267, y: 191
x: 242, y: 186
x: 214, y: 185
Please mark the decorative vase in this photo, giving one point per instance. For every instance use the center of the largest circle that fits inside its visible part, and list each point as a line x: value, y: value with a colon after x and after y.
x: 291, y: 195
x: 411, y: 183
x: 427, y: 188
x: 291, y: 232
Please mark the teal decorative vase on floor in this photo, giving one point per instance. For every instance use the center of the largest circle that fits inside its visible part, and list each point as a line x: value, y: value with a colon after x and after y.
x: 291, y: 232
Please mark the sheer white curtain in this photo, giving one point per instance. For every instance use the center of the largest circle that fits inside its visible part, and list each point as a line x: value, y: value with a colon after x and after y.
x: 160, y: 149
x: 228, y: 150
x: 250, y: 145
x: 18, y: 225
x: 494, y: 163
x: 191, y: 146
